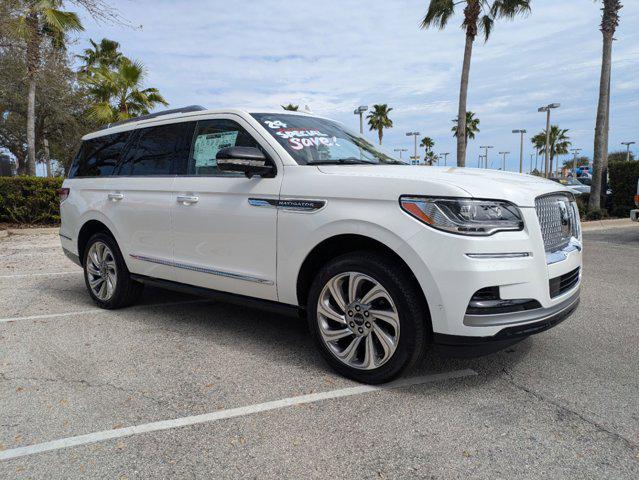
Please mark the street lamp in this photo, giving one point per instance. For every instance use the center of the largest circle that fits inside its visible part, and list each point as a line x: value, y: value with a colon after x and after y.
x: 503, y: 162
x: 575, y: 152
x: 414, y: 134
x: 521, y: 150
x: 400, y: 150
x: 486, y: 147
x: 547, y: 109
x: 627, y: 144
x: 531, y: 162
x: 445, y: 156
x: 360, y: 111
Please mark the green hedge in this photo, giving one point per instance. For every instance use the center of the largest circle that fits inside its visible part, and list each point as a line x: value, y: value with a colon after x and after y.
x: 30, y: 200
x: 623, y: 182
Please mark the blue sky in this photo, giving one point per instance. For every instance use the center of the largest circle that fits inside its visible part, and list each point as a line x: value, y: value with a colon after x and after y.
x: 336, y: 54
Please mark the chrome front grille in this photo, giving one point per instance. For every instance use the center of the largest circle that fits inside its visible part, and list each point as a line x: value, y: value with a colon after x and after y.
x: 558, y: 219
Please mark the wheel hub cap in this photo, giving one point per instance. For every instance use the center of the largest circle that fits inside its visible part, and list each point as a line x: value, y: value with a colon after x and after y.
x: 358, y: 320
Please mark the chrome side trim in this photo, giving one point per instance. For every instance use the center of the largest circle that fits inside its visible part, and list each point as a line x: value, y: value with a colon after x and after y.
x: 65, y: 237
x: 210, y: 271
x: 289, y: 204
x: 513, y: 318
x: 500, y: 255
x: 561, y: 255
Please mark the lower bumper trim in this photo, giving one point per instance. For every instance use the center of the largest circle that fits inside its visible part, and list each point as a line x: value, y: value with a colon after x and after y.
x: 516, y: 332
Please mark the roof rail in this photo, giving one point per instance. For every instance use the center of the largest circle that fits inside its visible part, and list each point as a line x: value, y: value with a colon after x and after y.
x: 190, y: 108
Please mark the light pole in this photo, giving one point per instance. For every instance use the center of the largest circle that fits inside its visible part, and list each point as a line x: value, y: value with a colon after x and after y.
x: 575, y: 152
x: 521, y: 149
x: 360, y: 111
x: 486, y: 147
x: 400, y: 150
x: 414, y: 134
x: 503, y: 161
x: 445, y: 156
x: 627, y: 144
x: 531, y: 162
x: 547, y: 109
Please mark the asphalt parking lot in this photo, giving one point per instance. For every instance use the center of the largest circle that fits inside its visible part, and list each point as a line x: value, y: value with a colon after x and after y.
x: 218, y: 391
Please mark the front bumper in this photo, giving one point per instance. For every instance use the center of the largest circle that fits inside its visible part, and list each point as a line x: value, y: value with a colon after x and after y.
x: 634, y: 215
x: 454, y: 268
x: 531, y: 322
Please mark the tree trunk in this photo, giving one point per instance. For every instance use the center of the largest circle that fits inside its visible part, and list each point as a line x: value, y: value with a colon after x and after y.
x: 33, y: 60
x: 380, y: 134
x: 31, y: 150
x: 47, y: 157
x: 463, y: 97
x: 600, y: 126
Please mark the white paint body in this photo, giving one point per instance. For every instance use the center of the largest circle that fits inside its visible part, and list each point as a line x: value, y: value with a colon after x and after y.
x: 223, y: 232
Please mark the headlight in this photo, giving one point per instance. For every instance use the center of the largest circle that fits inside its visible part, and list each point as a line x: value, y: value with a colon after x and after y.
x: 464, y: 216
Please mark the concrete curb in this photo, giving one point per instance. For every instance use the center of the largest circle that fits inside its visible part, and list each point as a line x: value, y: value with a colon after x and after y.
x: 606, y: 224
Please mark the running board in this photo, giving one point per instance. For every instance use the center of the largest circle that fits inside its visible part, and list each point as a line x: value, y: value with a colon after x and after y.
x: 226, y: 297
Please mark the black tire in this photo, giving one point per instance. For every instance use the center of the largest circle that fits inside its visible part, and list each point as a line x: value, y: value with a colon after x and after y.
x: 414, y: 318
x: 127, y: 291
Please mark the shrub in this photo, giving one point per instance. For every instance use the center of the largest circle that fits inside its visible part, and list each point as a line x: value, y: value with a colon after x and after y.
x: 30, y: 200
x: 623, y: 182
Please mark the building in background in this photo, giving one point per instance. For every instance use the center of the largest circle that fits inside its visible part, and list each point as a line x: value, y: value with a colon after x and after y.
x: 7, y: 167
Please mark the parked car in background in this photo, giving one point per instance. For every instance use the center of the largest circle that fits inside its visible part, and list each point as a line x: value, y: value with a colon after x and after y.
x: 576, y: 187
x: 297, y: 214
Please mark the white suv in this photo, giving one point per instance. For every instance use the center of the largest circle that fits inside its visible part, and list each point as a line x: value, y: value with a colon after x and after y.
x: 297, y: 214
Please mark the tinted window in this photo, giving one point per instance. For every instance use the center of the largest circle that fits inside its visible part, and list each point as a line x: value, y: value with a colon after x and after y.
x: 161, y: 150
x: 98, y: 157
x: 211, y: 136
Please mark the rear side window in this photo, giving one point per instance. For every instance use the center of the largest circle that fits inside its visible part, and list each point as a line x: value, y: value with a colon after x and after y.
x: 161, y: 150
x: 99, y: 157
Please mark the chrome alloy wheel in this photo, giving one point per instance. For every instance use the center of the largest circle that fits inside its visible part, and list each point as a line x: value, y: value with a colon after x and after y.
x: 358, y: 320
x: 101, y: 271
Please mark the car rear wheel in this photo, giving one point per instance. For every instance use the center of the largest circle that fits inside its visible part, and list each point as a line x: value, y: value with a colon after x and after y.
x: 106, y: 276
x: 367, y: 317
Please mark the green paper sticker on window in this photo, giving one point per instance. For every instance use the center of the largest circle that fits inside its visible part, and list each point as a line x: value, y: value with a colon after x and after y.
x: 207, y: 145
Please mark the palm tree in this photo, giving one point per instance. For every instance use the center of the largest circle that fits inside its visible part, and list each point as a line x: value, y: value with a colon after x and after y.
x: 118, y: 93
x: 39, y: 22
x: 559, y: 142
x: 479, y: 15
x: 104, y: 54
x: 378, y: 119
x: 291, y: 107
x: 471, y: 127
x: 609, y: 23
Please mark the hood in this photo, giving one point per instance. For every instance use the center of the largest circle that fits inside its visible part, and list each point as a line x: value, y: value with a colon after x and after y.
x: 521, y: 189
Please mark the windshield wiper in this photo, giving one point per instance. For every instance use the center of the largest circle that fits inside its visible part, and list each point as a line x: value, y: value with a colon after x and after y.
x: 341, y: 161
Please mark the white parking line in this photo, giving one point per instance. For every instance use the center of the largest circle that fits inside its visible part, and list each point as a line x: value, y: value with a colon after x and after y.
x: 99, y: 310
x: 223, y: 414
x: 18, y: 275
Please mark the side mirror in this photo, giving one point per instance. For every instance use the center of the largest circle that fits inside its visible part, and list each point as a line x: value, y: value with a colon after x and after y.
x: 250, y: 161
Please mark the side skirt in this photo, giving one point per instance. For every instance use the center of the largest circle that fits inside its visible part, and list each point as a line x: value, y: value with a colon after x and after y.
x: 226, y: 297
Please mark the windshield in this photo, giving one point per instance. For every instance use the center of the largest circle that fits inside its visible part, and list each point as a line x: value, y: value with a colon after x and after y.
x: 312, y: 140
x: 584, y: 180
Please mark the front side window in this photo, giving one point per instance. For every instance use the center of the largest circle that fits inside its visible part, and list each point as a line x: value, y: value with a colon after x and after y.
x: 160, y: 150
x: 210, y: 137
x: 311, y: 140
x: 99, y: 156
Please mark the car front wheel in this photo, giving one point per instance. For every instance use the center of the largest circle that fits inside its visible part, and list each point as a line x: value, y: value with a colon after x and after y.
x: 367, y: 317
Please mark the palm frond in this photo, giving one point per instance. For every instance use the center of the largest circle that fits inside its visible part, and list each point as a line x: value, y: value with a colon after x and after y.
x: 486, y: 26
x: 438, y: 14
x: 509, y: 8
x: 60, y: 21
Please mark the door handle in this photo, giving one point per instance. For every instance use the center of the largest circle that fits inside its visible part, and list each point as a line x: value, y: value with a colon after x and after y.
x: 116, y: 196
x: 187, y: 199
